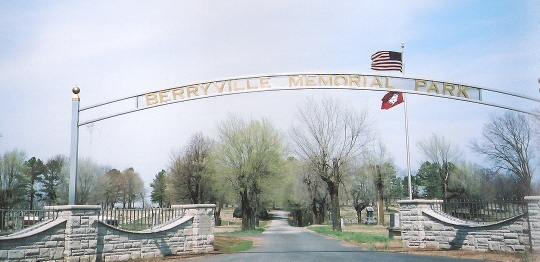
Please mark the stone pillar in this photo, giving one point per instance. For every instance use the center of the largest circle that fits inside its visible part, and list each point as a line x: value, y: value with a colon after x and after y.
x: 81, y: 231
x: 201, y: 238
x: 534, y: 221
x: 413, y: 222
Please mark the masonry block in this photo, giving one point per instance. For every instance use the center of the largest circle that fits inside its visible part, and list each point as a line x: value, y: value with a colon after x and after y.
x: 509, y: 236
x: 82, y: 238
x: 512, y: 241
x: 16, y: 254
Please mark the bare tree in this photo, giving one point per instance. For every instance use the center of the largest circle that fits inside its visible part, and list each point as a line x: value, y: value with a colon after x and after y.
x: 362, y: 191
x: 331, y: 137
x: 62, y: 188
x: 110, y: 187
x: 310, y: 192
x: 380, y: 166
x: 87, y: 175
x: 536, y: 189
x: 445, y: 155
x: 191, y: 172
x: 506, y: 141
x: 133, y: 186
x: 12, y: 179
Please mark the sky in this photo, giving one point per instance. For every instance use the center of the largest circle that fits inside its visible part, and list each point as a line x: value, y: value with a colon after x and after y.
x: 115, y: 49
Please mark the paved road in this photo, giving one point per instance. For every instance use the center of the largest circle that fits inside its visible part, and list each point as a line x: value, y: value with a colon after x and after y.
x: 282, y: 242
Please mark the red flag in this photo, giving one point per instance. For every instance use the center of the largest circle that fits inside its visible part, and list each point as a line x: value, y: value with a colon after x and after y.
x: 391, y: 99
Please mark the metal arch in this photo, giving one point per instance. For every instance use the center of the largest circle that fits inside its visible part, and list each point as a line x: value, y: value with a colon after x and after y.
x: 75, y: 123
x: 321, y: 73
x: 278, y: 88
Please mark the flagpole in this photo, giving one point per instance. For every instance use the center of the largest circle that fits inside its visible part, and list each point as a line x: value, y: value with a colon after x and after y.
x: 406, y: 125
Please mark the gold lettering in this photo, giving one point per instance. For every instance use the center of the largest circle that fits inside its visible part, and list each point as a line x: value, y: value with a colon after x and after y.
x: 219, y: 89
x: 205, y: 88
x: 178, y: 92
x: 192, y: 90
x: 448, y: 87
x: 433, y: 86
x: 419, y: 83
x: 309, y: 80
x: 463, y: 90
x: 388, y: 83
x: 263, y: 81
x: 151, y: 99
x: 164, y: 96
x: 344, y: 82
x: 354, y: 79
x: 236, y: 86
x: 326, y: 82
x: 376, y: 81
x: 293, y: 82
x: 249, y: 86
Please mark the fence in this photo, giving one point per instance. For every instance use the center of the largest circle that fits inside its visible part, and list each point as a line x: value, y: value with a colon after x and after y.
x: 13, y: 220
x: 138, y: 219
x: 89, y: 233
x: 482, y: 212
x: 510, y: 226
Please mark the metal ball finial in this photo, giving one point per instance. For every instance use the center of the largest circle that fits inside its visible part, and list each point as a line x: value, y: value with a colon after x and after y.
x: 76, y: 90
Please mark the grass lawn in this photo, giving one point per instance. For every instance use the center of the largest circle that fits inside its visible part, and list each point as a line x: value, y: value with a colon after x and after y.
x: 231, y: 243
x: 231, y: 238
x: 371, y: 237
x: 375, y: 238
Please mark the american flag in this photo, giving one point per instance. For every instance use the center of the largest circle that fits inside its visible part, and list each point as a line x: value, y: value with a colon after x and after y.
x: 386, y: 61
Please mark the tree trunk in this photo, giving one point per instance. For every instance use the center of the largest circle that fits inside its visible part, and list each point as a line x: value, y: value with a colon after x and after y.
x: 323, y: 207
x: 359, y: 207
x: 217, y: 215
x: 250, y: 206
x: 248, y: 216
x: 444, y: 179
x: 380, y: 212
x: 298, y: 217
x: 314, y: 211
x: 318, y: 209
x: 380, y: 197
x: 334, y: 199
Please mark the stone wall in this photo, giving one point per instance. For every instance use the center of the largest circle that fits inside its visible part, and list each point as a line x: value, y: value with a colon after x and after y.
x: 47, y: 244
x: 77, y: 235
x: 421, y: 227
x: 534, y: 221
x: 193, y: 233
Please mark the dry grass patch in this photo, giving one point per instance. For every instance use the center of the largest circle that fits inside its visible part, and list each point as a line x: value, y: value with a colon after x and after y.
x: 229, y: 244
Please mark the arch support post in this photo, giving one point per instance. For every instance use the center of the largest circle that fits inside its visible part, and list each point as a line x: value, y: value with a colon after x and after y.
x: 74, y: 154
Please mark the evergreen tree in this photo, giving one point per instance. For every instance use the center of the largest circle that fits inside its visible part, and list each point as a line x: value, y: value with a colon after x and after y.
x: 159, y: 186
x: 34, y: 170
